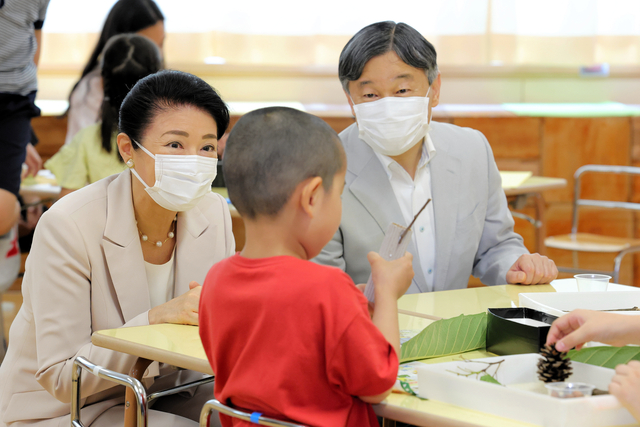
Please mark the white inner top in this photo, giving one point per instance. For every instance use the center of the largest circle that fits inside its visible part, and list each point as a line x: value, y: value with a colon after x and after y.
x: 411, y: 195
x: 161, y: 280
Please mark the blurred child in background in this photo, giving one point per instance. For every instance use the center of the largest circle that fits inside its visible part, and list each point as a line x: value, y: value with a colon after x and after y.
x: 93, y: 152
x: 143, y: 17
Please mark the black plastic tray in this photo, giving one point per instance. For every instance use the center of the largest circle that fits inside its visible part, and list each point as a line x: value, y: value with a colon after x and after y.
x: 507, y: 337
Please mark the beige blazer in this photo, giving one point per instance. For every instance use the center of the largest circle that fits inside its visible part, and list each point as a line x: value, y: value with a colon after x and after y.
x: 85, y: 273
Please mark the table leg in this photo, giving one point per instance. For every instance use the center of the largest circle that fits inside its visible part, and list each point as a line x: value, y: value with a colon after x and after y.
x: 388, y: 423
x: 518, y: 202
x: 130, y: 403
x: 541, y: 229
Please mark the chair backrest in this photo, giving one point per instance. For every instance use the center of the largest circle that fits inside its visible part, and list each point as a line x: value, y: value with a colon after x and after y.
x: 254, y: 417
x: 80, y: 363
x: 578, y: 201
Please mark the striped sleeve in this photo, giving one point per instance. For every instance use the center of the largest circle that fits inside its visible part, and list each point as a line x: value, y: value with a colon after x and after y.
x: 17, y: 23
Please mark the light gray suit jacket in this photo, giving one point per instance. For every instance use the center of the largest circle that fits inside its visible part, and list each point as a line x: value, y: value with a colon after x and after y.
x: 85, y: 272
x: 474, y: 228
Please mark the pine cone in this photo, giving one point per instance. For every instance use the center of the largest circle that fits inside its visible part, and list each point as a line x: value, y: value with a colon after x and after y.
x: 554, y: 366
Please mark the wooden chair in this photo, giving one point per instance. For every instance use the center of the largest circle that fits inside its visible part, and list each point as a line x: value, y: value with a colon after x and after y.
x: 587, y: 242
x: 255, y: 417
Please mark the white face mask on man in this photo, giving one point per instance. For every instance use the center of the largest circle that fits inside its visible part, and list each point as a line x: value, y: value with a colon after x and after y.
x: 394, y: 124
x: 181, y: 181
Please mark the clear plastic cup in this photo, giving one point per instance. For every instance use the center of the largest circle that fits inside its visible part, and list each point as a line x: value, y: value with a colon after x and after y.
x: 592, y: 282
x: 567, y: 390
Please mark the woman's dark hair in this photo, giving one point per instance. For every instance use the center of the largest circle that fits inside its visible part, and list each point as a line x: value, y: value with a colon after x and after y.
x: 165, y: 90
x: 126, y: 16
x: 126, y: 59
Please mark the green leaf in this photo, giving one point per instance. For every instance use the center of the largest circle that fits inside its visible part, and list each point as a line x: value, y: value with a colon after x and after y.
x: 607, y: 357
x: 446, y: 337
x: 406, y: 387
x: 488, y: 378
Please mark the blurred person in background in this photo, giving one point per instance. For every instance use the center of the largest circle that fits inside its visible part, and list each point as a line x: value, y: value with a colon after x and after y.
x: 143, y: 17
x: 93, y: 151
x: 20, y: 34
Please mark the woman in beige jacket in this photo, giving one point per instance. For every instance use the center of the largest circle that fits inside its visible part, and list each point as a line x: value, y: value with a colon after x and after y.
x: 129, y: 250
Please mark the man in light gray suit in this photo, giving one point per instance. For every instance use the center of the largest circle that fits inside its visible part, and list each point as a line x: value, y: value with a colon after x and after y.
x: 397, y: 159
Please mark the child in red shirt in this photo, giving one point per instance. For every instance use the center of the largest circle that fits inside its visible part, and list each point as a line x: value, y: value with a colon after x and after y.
x: 285, y: 336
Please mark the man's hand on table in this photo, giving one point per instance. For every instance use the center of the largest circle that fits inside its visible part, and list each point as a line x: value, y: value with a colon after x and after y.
x: 532, y: 269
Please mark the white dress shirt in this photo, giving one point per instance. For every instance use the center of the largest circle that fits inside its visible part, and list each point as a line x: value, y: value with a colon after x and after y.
x: 411, y: 195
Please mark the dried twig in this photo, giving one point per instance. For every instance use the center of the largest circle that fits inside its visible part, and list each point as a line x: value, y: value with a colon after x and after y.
x: 467, y: 372
x: 414, y: 220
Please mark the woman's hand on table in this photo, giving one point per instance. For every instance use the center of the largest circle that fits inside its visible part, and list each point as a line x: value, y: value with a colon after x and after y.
x: 182, y: 310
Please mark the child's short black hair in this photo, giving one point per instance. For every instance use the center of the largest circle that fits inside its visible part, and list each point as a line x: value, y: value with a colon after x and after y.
x: 272, y: 150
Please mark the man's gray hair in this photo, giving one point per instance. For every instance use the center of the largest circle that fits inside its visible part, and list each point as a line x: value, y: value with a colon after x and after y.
x: 380, y: 38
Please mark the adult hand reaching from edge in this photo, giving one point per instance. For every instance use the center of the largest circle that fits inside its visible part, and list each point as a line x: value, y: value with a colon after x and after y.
x: 625, y: 385
x: 532, y: 269
x: 581, y: 326
x: 181, y: 310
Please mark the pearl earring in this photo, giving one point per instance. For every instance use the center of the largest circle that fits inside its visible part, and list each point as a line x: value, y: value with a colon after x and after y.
x: 130, y: 163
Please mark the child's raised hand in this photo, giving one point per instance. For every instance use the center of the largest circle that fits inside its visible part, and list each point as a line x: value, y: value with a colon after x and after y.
x: 391, y: 277
x: 625, y: 385
x: 581, y: 326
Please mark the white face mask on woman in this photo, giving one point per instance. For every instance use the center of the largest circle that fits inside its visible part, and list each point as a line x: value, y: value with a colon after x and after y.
x: 394, y: 124
x: 181, y: 181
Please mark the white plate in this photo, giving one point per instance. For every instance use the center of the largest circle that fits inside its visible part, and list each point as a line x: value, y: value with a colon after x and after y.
x: 569, y: 285
x: 517, y: 400
x: 560, y: 303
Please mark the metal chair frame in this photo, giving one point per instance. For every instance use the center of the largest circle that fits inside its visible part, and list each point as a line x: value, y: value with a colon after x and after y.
x: 255, y: 417
x: 81, y: 363
x: 135, y: 385
x: 578, y: 202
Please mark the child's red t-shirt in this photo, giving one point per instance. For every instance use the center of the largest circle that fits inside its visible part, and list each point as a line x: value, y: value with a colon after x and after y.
x: 293, y: 339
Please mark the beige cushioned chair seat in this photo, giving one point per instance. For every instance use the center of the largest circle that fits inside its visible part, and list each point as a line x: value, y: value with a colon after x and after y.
x: 587, y: 242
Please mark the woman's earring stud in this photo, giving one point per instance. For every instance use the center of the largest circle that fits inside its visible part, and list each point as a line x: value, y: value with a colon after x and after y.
x: 130, y: 163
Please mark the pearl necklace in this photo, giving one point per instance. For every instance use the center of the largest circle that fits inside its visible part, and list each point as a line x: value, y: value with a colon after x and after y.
x: 170, y: 235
